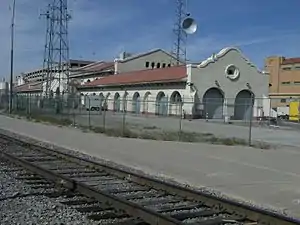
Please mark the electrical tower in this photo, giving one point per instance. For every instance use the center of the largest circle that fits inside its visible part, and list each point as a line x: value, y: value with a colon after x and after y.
x: 179, y: 48
x: 56, y: 55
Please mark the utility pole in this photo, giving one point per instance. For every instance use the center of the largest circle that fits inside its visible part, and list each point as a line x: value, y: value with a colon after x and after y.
x: 12, y: 57
x: 56, y: 54
x: 179, y: 48
x: 184, y: 25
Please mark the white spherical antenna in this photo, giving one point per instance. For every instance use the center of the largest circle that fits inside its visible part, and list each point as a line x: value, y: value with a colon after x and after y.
x: 189, y: 25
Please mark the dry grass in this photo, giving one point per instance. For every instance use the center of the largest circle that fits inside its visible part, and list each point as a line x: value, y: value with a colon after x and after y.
x: 151, y: 133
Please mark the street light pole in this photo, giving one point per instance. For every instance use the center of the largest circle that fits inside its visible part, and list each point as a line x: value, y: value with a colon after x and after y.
x: 12, y: 57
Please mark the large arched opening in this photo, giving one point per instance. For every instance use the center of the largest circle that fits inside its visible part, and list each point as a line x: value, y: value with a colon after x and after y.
x: 101, y: 97
x: 213, y: 101
x: 175, y: 103
x: 124, y: 106
x: 161, y: 104
x: 243, y: 105
x: 117, y: 102
x: 146, y: 102
x: 106, y: 102
x: 136, y: 103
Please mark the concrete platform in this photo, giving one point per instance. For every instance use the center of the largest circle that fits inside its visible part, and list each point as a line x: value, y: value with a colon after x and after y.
x: 267, y: 177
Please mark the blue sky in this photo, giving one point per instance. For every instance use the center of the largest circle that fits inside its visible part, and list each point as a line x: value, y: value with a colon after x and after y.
x: 101, y: 29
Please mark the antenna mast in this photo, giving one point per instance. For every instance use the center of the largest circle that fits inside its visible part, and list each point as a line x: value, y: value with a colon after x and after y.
x: 56, y: 55
x: 179, y: 48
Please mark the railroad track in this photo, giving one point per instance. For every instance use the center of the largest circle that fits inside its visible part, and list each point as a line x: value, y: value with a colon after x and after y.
x: 136, y: 199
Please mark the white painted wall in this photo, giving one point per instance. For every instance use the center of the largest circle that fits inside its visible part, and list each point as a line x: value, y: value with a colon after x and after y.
x: 85, y: 80
x: 20, y: 80
x: 148, y: 99
x: 54, y: 84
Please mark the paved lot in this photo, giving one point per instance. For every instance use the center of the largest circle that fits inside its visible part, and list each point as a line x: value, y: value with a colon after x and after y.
x: 269, y: 177
x: 285, y: 134
x: 282, y: 135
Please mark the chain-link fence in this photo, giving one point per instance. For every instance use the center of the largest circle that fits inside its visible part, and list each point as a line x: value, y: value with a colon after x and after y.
x: 220, y: 117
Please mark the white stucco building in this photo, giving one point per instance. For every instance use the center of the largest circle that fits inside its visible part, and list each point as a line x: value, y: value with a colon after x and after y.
x: 221, y: 87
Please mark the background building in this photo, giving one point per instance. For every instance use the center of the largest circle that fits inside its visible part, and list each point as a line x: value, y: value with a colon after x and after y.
x: 284, y: 81
x: 32, y: 82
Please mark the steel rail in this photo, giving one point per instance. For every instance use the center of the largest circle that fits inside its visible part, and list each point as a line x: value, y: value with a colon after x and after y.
x: 261, y: 216
x: 150, y: 216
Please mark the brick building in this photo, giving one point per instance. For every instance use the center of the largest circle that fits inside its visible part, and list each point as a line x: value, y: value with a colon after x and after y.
x: 284, y: 80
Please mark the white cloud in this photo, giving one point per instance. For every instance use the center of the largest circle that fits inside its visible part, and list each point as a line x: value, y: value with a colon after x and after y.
x: 102, y: 31
x: 263, y: 37
x: 88, y: 20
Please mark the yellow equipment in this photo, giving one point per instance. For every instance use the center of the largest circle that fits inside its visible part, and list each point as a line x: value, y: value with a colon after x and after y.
x: 294, y: 111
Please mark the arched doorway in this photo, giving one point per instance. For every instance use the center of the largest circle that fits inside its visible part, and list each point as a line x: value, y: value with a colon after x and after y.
x: 124, y: 105
x: 117, y: 102
x: 213, y: 101
x: 197, y: 108
x: 161, y: 104
x: 106, y: 102
x: 243, y: 103
x: 146, y: 102
x: 175, y: 103
x: 101, y: 97
x: 136, y: 103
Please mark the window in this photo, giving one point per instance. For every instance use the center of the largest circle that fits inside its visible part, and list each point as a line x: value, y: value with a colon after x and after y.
x: 163, y: 65
x: 169, y: 65
x: 297, y: 82
x: 297, y: 67
x: 286, y: 68
x: 283, y: 100
x: 231, y: 70
x: 147, y: 64
x: 152, y: 65
x: 286, y: 82
x: 158, y: 65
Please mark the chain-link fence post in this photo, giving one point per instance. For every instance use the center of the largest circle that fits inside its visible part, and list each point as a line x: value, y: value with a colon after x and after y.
x: 270, y: 111
x: 89, y: 112
x: 27, y: 105
x: 75, y: 105
x: 298, y: 110
x: 180, y: 121
x: 251, y: 118
x: 124, y: 119
x: 104, y: 114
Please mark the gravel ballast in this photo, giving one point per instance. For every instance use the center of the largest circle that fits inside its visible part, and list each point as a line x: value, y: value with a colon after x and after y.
x: 206, y: 190
x: 20, y: 205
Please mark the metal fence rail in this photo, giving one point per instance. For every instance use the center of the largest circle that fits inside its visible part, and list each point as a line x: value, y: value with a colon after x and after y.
x: 174, y: 115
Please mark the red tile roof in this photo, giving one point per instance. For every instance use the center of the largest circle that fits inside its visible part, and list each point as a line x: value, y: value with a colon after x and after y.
x: 290, y: 61
x: 168, y: 74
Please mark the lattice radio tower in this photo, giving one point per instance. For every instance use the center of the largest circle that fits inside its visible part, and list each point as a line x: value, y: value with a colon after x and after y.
x: 56, y: 54
x: 183, y: 26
